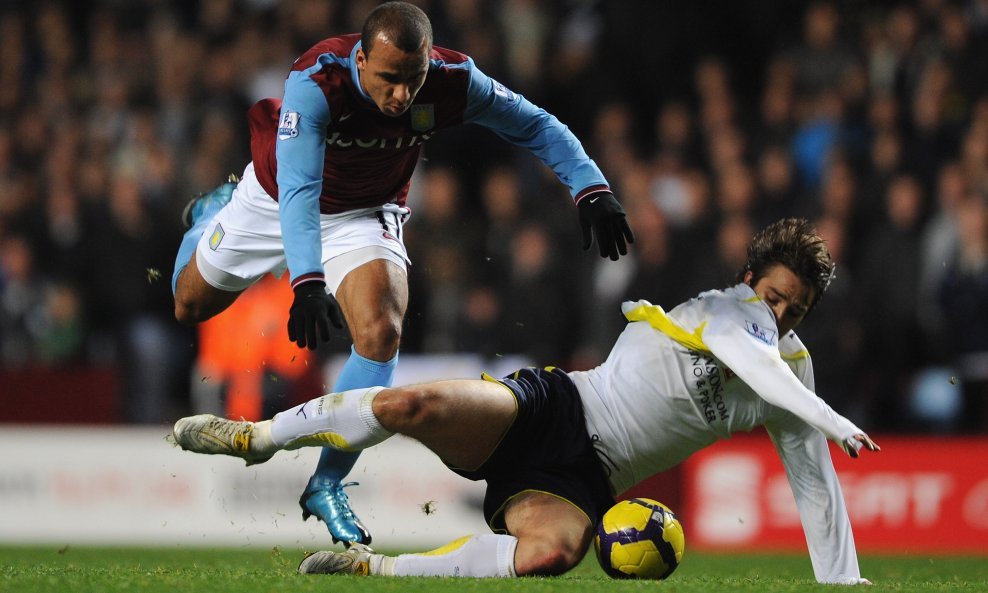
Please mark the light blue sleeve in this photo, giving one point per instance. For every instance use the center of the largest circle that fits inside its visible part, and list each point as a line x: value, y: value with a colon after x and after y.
x: 514, y: 118
x: 300, y: 152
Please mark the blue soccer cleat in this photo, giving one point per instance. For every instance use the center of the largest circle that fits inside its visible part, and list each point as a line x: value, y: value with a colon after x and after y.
x: 324, y: 498
x: 210, y: 201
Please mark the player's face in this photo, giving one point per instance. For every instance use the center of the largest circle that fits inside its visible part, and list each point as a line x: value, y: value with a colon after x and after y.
x: 788, y: 296
x: 392, y: 77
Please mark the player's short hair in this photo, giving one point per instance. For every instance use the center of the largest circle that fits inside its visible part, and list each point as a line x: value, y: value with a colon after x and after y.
x: 404, y: 24
x: 795, y: 244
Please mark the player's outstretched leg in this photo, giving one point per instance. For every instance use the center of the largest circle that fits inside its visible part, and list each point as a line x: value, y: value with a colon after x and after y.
x: 343, y: 421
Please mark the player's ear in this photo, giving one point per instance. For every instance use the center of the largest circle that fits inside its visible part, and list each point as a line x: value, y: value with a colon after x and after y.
x: 361, y: 59
x: 748, y: 276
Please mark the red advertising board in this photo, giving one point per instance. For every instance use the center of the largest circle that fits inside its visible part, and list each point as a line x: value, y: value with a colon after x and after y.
x: 919, y: 494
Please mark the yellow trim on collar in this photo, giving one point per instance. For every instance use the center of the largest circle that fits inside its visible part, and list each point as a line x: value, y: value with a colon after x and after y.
x: 798, y: 355
x: 658, y: 319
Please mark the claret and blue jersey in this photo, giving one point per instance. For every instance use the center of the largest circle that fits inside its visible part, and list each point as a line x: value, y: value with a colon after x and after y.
x: 327, y: 143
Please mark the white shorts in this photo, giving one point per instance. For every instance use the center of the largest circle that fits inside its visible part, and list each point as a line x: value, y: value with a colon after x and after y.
x: 243, y: 241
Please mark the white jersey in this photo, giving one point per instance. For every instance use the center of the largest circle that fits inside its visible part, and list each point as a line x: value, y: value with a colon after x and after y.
x: 676, y: 382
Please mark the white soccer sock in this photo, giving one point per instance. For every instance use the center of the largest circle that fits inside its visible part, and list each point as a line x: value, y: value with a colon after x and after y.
x: 343, y: 421
x: 260, y: 439
x: 487, y: 555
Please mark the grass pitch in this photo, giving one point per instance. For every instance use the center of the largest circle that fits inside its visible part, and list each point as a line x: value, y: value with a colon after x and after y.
x: 167, y: 570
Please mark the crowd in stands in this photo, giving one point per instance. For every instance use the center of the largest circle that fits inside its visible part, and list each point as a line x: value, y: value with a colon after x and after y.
x: 871, y: 119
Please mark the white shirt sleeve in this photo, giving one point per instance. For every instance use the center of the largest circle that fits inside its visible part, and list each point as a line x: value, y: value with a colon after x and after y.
x: 818, y: 495
x: 745, y: 338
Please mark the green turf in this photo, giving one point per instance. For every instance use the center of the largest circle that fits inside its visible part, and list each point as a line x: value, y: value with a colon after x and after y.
x: 109, y: 570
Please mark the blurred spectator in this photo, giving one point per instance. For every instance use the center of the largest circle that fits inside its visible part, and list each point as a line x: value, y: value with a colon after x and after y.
x: 737, y: 192
x: 818, y: 132
x: 886, y: 161
x: 675, y: 136
x: 61, y: 336
x: 939, y: 244
x: 130, y: 305
x: 776, y: 121
x: 501, y: 195
x: 776, y: 180
x: 893, y: 339
x: 21, y: 302
x: 477, y: 325
x: 932, y: 141
x: 822, y: 60
x: 718, y: 267
x: 963, y: 294
x: 537, y: 296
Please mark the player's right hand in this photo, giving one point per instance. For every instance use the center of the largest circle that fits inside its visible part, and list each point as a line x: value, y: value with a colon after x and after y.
x: 312, y: 311
x: 853, y: 445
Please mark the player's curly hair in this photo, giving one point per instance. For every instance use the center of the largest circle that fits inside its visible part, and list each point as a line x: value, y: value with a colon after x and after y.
x: 794, y: 243
x: 404, y: 24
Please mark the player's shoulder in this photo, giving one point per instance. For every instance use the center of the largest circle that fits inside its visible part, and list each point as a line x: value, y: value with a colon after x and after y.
x: 730, y: 301
x: 442, y: 57
x: 792, y: 348
x: 329, y: 51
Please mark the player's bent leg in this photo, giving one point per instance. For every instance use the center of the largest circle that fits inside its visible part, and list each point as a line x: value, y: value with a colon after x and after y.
x: 478, y: 556
x: 195, y: 299
x: 196, y: 216
x: 552, y: 537
x: 553, y: 534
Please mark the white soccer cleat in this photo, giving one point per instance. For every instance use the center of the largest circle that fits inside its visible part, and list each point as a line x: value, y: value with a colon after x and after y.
x: 356, y: 561
x: 212, y: 435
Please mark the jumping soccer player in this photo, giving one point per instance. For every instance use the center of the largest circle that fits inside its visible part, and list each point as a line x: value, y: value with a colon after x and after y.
x: 554, y: 447
x: 325, y: 195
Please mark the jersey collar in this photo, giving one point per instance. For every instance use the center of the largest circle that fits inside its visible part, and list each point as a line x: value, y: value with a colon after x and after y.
x: 355, y: 73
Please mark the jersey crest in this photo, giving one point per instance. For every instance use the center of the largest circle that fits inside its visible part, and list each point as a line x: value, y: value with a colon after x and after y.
x: 760, y: 333
x: 423, y: 117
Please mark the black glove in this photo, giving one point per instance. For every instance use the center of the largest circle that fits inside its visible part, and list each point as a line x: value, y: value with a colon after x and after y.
x: 601, y: 212
x: 312, y: 311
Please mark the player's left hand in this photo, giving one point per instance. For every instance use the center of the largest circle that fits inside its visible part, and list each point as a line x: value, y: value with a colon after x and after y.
x: 853, y: 445
x: 602, y: 216
x: 312, y: 311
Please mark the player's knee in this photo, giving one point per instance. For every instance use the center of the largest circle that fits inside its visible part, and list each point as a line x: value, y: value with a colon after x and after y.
x: 407, y: 408
x: 185, y: 312
x: 190, y: 312
x: 378, y: 339
x: 547, y: 557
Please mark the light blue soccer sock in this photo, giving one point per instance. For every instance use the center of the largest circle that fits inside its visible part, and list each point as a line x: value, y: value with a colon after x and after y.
x: 191, y: 237
x: 188, y: 247
x: 357, y: 372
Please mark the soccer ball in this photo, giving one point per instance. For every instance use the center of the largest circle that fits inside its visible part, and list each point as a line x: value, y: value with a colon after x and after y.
x: 639, y: 538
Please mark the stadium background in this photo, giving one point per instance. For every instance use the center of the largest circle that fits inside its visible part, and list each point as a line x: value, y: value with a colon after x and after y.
x: 709, y: 119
